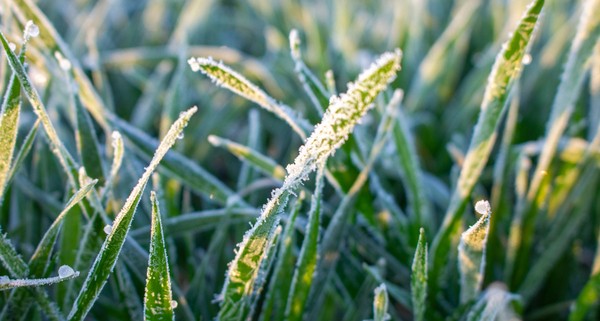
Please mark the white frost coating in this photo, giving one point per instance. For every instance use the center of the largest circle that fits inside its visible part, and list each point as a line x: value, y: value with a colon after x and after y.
x: 65, y: 271
x: 108, y: 229
x: 343, y: 114
x: 12, y: 46
x: 7, y: 283
x: 4, y: 279
x: 295, y: 46
x: 174, y: 304
x: 226, y: 77
x: 483, y: 207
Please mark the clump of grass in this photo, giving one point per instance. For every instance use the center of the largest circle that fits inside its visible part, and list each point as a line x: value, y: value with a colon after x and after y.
x: 391, y: 226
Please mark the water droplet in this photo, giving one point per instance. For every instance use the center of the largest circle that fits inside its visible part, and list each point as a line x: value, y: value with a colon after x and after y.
x: 173, y: 304
x: 4, y: 279
x: 34, y: 30
x: 108, y: 229
x: 482, y: 207
x: 180, y: 136
x: 12, y: 46
x: 526, y: 59
x: 65, y: 271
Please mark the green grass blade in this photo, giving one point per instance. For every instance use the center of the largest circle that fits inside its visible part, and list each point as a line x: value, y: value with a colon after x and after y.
x: 588, y: 33
x: 7, y: 283
x: 281, y: 282
x: 261, y: 162
x: 310, y: 82
x: 23, y: 151
x: 106, y: 259
x: 471, y: 254
x: 339, y: 121
x: 587, y: 298
x: 506, y: 69
x: 307, y: 261
x: 380, y: 304
x: 11, y: 260
x: 227, y: 78
x: 177, y: 166
x: 87, y: 141
x: 410, y: 170
x: 40, y: 260
x: 158, y: 297
x: 418, y: 285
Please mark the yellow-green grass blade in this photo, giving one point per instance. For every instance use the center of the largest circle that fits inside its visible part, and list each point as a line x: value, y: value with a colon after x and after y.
x: 106, y: 259
x: 506, y: 69
x: 380, y: 304
x: 578, y: 62
x: 158, y: 297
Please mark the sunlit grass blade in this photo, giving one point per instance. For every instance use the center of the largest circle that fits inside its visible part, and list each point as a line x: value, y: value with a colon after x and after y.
x: 492, y: 302
x: 227, y: 78
x: 106, y: 259
x: 380, y: 304
x: 471, y: 254
x: 261, y: 162
x: 23, y: 151
x: 307, y: 260
x: 418, y: 286
x: 579, y: 204
x: 157, y: 300
x: 40, y: 260
x: 176, y: 165
x: 7, y: 283
x: 410, y: 170
x: 281, y: 281
x: 575, y: 70
x: 9, y: 124
x: 342, y: 115
x: 506, y: 69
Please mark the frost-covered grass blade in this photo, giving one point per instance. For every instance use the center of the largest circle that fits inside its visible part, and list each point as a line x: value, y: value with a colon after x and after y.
x: 418, y: 286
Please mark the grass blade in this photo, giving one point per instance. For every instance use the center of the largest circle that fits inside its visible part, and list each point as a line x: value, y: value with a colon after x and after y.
x: 158, y: 298
x: 227, y: 78
x: 40, y: 260
x: 410, y: 170
x: 418, y: 284
x: 11, y: 260
x: 380, y: 304
x: 87, y: 141
x: 6, y: 283
x: 281, y: 282
x: 23, y: 151
x: 471, y: 254
x: 492, y: 302
x: 261, y: 162
x: 588, y: 33
x: 106, y: 259
x: 506, y: 69
x: 339, y: 121
x: 307, y: 261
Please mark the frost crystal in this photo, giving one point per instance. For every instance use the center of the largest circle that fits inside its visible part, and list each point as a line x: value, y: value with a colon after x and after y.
x: 482, y: 207
x: 65, y: 271
x: 343, y: 114
x: 12, y: 46
x: 108, y: 229
x: 173, y: 304
x: 4, y: 279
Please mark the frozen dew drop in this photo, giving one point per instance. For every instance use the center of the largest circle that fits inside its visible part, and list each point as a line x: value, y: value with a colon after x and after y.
x: 482, y: 207
x: 180, y: 136
x: 173, y: 304
x: 527, y: 59
x: 34, y: 30
x: 65, y: 271
x: 12, y: 46
x: 108, y: 229
x: 4, y: 279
